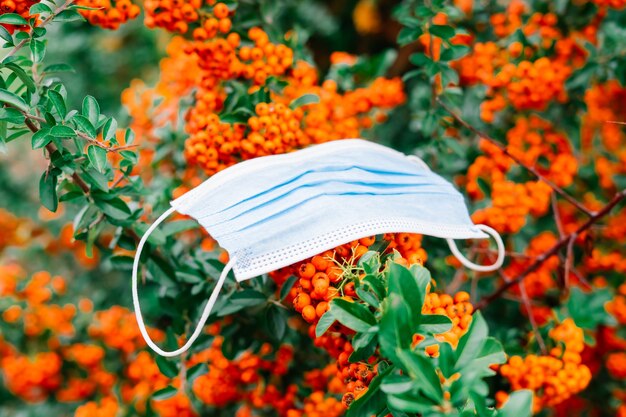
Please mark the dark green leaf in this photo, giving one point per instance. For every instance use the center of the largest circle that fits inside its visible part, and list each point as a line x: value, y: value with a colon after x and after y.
x: 58, y: 67
x: 434, y: 324
x: 4, y: 34
x: 324, y: 323
x: 97, y: 157
x: 173, y: 228
x: 276, y: 322
x: 109, y: 129
x: 196, y: 371
x: 48, y: 191
x: 84, y: 125
x: 167, y: 367
x: 58, y: 102
x: 37, y: 50
x: 165, y: 393
x: 60, y: 131
x: 442, y: 31
x: 352, y: 315
x: 519, y: 404
x: 68, y: 16
x: 304, y: 100
x: 13, y: 99
x: 287, y: 286
x: 91, y: 110
x: 11, y: 115
x: 114, y: 208
x: 25, y: 78
x: 39, y: 8
x: 422, y: 371
x: 13, y: 19
x: 41, y: 138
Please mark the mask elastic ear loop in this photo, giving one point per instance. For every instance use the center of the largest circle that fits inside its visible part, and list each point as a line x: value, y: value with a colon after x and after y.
x: 416, y: 159
x: 207, y: 308
x: 481, y: 268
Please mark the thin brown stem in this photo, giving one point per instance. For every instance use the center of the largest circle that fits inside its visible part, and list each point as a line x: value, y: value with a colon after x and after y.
x: 554, y: 249
x: 505, y: 151
x: 527, y: 306
x: 47, y: 20
x: 51, y: 148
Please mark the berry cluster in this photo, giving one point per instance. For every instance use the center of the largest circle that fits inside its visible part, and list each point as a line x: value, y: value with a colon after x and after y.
x: 554, y: 377
x: 108, y: 14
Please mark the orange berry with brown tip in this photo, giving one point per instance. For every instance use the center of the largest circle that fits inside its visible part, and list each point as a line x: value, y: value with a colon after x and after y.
x: 306, y: 270
x: 309, y: 314
x: 302, y: 300
x: 220, y: 11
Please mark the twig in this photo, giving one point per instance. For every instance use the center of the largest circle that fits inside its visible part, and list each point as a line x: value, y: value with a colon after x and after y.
x: 51, y: 148
x: 84, y: 136
x: 554, y: 249
x: 529, y: 311
x: 569, y: 261
x: 505, y: 151
x: 47, y: 20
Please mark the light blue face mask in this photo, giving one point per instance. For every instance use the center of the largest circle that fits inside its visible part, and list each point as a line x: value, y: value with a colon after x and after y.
x: 274, y: 211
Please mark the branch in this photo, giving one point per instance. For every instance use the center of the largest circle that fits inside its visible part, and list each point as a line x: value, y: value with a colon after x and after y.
x: 47, y: 20
x: 505, y: 151
x: 564, y: 241
x: 51, y: 147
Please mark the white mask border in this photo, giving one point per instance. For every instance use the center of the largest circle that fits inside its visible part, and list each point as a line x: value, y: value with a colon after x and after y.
x: 206, y: 312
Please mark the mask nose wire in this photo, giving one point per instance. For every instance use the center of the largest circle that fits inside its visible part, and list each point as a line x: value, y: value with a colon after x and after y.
x: 481, y: 268
x: 207, y: 308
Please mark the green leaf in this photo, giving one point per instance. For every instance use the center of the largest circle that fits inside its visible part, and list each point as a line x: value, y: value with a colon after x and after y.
x: 352, y: 315
x: 175, y: 227
x: 303, y: 100
x: 37, y: 50
x: 58, y: 102
x: 287, y: 286
x: 519, y: 404
x: 41, y: 138
x: 196, y: 371
x: 167, y: 367
x: 394, y: 329
x: 91, y: 110
x: 276, y: 322
x: 588, y: 309
x: 25, y: 78
x: 434, y: 324
x: 454, y: 52
x: 410, y: 286
x: 84, y: 125
x: 472, y: 342
x: 4, y: 34
x: 13, y: 19
x: 58, y: 67
x: 422, y: 371
x: 48, y: 191
x: 11, y: 115
x: 114, y: 208
x: 165, y: 393
x: 397, y: 384
x: 68, y: 16
x: 60, y: 131
x: 324, y: 323
x: 442, y: 31
x: 109, y: 129
x: 408, y: 35
x: 39, y: 8
x: 97, y: 157
x: 13, y: 99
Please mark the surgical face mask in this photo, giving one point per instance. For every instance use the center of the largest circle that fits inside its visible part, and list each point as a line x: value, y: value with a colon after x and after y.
x: 274, y: 211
